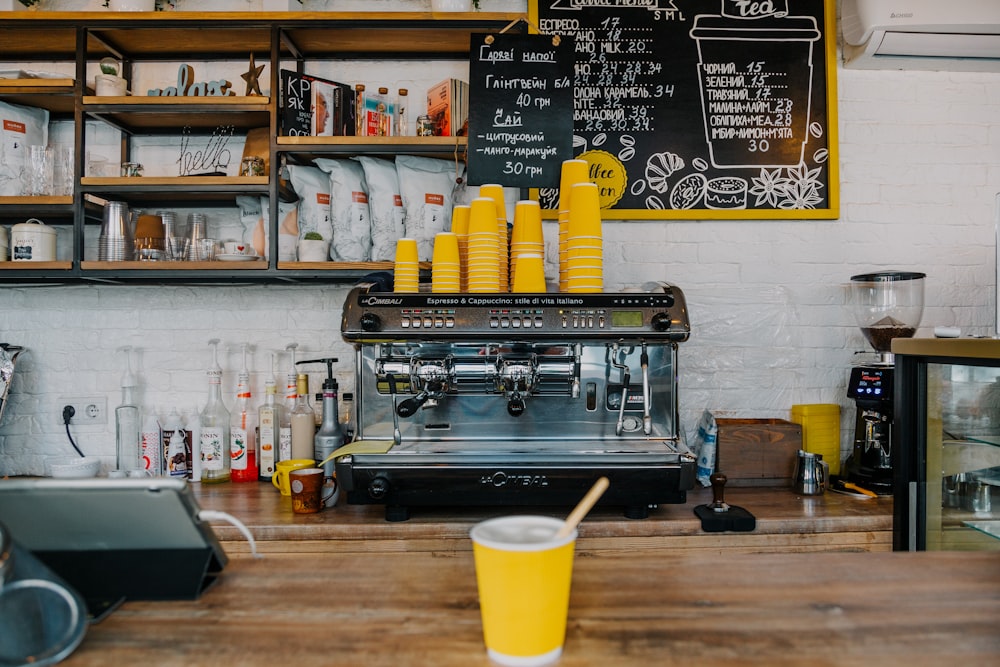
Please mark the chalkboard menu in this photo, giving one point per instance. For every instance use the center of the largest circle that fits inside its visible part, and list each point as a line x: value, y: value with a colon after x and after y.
x: 703, y: 109
x: 520, y: 109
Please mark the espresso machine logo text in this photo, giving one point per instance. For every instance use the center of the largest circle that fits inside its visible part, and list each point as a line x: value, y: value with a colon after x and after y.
x: 381, y: 301
x: 501, y: 479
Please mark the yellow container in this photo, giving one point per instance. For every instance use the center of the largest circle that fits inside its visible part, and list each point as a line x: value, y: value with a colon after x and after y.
x: 820, y: 431
x: 523, y: 575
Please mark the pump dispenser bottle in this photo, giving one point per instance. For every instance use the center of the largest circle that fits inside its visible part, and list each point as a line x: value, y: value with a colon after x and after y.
x: 242, y: 430
x: 329, y: 436
x: 128, y: 447
x: 214, y: 421
x: 269, y: 419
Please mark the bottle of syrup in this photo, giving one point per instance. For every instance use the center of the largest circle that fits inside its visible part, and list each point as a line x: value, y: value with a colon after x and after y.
x: 243, y: 430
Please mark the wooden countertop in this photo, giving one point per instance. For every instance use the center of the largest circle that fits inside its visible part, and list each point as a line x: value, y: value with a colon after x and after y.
x: 785, y: 522
x: 973, y: 348
x: 626, y: 608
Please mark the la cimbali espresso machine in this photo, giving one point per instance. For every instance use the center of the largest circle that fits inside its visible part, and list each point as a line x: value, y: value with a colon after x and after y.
x: 516, y: 399
x: 887, y: 305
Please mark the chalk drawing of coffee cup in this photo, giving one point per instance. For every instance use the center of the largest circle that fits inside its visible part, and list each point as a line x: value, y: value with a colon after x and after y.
x: 755, y: 76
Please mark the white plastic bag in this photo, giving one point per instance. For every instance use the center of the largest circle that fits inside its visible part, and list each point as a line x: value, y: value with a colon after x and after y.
x: 705, y: 448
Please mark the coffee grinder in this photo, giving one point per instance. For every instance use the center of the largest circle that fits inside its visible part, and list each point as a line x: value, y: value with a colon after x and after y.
x: 887, y: 305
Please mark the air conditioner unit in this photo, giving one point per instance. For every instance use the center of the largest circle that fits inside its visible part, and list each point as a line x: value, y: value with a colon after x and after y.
x: 959, y: 35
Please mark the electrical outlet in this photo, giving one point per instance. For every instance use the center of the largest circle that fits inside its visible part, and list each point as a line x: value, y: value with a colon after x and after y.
x: 89, y: 410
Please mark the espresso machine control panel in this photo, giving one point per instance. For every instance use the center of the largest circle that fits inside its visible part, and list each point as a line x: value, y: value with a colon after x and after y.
x: 380, y: 316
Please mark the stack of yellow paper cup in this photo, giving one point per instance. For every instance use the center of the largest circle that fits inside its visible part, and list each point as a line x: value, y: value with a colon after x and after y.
x: 446, y: 268
x: 460, y: 227
x: 406, y: 272
x: 526, y: 236
x: 495, y: 192
x: 483, y: 265
x: 573, y: 172
x: 584, y: 240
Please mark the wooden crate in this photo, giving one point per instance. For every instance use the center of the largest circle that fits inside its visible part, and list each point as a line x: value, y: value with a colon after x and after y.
x: 757, y: 452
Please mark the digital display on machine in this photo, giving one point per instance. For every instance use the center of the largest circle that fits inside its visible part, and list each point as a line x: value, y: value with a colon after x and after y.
x: 871, y: 383
x: 626, y: 318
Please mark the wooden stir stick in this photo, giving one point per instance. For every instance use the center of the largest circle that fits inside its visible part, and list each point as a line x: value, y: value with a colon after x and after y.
x: 581, y: 509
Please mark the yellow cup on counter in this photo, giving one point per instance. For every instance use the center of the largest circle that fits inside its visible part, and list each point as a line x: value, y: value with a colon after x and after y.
x: 281, y: 470
x: 523, y: 573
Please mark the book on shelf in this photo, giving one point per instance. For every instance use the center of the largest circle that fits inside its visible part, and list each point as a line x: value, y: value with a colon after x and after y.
x: 313, y: 106
x: 448, y: 107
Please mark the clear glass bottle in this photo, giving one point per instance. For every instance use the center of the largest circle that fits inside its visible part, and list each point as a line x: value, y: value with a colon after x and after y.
x: 128, y: 446
x: 402, y: 120
x: 214, y: 422
x: 243, y: 430
x: 347, y: 416
x: 268, y: 428
x: 303, y: 421
x: 359, y: 110
x: 384, y: 113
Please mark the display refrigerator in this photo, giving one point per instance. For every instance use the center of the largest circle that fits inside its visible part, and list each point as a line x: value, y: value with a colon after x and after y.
x: 946, y: 444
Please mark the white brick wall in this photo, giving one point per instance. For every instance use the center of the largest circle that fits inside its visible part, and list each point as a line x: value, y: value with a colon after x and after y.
x: 920, y: 167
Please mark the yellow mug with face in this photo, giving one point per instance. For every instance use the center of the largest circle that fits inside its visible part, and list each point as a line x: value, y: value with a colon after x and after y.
x: 281, y: 470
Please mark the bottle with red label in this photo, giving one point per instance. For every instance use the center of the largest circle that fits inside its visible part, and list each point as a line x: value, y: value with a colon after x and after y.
x: 243, y: 430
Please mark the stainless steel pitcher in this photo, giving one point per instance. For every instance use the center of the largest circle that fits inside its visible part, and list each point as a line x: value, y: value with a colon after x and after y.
x: 811, y: 474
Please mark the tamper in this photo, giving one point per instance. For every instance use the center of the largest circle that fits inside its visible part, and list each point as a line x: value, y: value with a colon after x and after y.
x: 719, y: 516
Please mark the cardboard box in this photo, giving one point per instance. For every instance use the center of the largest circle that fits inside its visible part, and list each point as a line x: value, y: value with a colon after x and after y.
x: 757, y: 452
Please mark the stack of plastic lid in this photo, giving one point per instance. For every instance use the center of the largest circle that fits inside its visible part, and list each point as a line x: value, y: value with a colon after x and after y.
x: 527, y: 242
x: 584, y: 240
x: 115, y: 242
x: 446, y: 265
x: 407, y: 268
x: 460, y: 227
x: 484, y: 248
x: 573, y: 172
x: 495, y: 192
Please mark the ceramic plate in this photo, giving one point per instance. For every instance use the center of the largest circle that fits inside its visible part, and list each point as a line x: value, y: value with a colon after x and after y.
x: 236, y: 258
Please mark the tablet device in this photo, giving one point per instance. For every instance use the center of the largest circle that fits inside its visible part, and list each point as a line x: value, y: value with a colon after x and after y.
x: 115, y: 539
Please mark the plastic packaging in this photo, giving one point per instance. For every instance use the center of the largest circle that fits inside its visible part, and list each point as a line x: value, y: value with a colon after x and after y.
x: 705, y: 448
x: 214, y: 423
x: 152, y: 446
x: 177, y: 455
x: 171, y: 424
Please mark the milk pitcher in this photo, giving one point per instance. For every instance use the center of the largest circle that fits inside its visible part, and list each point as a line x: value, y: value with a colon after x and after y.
x: 811, y: 474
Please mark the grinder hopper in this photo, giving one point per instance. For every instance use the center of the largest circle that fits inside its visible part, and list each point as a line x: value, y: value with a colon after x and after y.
x: 887, y: 305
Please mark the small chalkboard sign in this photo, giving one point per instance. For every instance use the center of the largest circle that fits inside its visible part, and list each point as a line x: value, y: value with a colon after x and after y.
x: 703, y: 109
x: 520, y: 109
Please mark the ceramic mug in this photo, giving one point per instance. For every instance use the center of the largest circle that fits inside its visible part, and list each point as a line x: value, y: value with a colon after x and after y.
x: 281, y: 470
x: 309, y: 493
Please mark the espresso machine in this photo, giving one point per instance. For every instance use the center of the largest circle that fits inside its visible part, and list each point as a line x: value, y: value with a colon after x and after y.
x: 887, y: 305
x: 516, y: 399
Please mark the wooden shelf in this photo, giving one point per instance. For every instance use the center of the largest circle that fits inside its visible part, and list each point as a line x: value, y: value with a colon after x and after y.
x: 173, y: 181
x: 81, y: 39
x: 174, y: 266
x: 35, y: 266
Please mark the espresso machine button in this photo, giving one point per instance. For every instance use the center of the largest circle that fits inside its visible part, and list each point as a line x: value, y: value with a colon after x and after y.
x: 378, y: 488
x: 660, y: 322
x: 370, y: 322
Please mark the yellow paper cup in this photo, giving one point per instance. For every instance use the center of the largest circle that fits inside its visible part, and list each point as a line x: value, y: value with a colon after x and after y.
x: 281, y: 470
x: 524, y: 576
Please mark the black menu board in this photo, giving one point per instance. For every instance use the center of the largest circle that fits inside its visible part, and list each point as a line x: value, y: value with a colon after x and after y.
x: 520, y: 109
x: 703, y: 109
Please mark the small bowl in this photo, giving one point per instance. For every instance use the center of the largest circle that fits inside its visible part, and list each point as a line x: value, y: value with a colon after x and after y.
x: 74, y: 467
